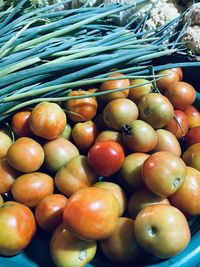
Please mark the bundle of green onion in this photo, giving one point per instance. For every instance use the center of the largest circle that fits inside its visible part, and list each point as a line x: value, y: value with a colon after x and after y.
x: 46, y: 52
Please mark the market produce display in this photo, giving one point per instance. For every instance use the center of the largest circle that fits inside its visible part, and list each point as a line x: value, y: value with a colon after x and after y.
x: 99, y: 146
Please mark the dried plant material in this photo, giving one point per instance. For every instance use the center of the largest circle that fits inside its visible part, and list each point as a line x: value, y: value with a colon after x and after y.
x: 192, y: 39
x: 192, y: 34
x: 163, y: 12
x: 194, y: 15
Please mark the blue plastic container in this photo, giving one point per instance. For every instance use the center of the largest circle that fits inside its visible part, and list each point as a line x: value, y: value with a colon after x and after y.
x: 37, y: 253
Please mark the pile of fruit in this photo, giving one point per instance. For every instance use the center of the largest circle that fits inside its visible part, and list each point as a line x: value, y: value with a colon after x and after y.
x: 120, y: 170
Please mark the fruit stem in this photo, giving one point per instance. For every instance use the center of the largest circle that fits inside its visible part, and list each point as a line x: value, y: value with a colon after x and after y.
x: 126, y: 129
x: 179, y: 124
x: 155, y: 88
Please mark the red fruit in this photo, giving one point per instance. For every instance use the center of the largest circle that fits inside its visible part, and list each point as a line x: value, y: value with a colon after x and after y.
x: 193, y: 136
x: 106, y: 157
x: 180, y: 128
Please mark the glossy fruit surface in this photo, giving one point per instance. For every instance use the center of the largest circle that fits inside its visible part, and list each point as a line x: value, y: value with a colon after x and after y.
x: 142, y: 198
x: 5, y: 143
x: 117, y: 191
x: 139, y: 136
x: 47, y: 120
x: 1, y: 200
x: 25, y: 155
x: 75, y: 175
x: 122, y: 246
x: 164, y: 173
x: 20, y: 123
x: 67, y: 133
x: 192, y: 137
x: 140, y: 90
x: 84, y: 134
x: 192, y: 155
x: 106, y: 157
x: 178, y: 125
x: 49, y: 212
x: 94, y: 207
x: 155, y: 109
x: 172, y: 77
x: 29, y: 189
x: 112, y: 85
x: 193, y: 116
x: 58, y: 152
x: 187, y: 198
x: 7, y: 176
x: 68, y: 251
x: 82, y: 109
x: 166, y: 141
x: 181, y: 95
x: 17, y: 227
x: 179, y: 71
x: 131, y: 170
x: 119, y: 112
x: 162, y: 230
x: 109, y: 135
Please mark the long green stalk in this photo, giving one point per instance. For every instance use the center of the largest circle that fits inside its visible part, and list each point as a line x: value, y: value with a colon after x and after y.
x: 32, y: 93
x: 4, y: 49
x: 87, y: 52
x: 16, y: 57
x: 30, y: 14
x: 51, y: 25
x: 51, y: 66
x: 61, y: 99
x: 73, y: 55
x: 13, y: 13
x: 14, y: 87
x: 92, y: 69
x: 83, y: 53
x: 20, y: 65
x: 154, y: 55
x: 135, y: 45
x: 70, y: 28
